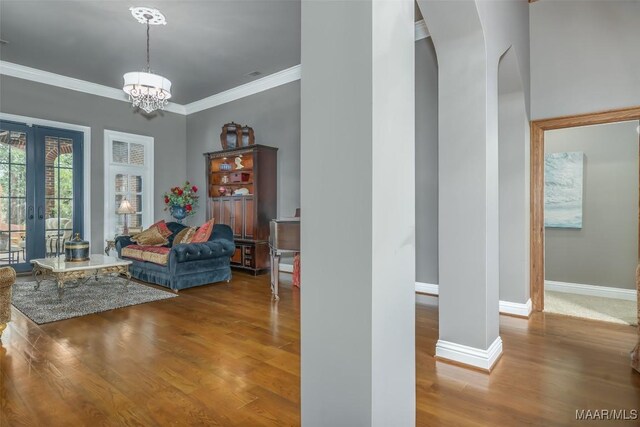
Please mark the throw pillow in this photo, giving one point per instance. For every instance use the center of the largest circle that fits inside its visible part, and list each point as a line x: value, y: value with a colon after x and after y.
x: 184, y: 236
x: 150, y: 237
x: 203, y: 233
x: 162, y: 228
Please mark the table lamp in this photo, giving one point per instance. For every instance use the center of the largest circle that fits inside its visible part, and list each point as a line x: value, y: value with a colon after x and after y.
x: 125, y: 209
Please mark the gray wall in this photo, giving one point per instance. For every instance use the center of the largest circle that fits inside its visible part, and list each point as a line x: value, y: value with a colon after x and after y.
x: 275, y: 117
x: 605, y: 251
x: 513, y: 164
x: 584, y: 56
x: 426, y: 162
x: 36, y: 100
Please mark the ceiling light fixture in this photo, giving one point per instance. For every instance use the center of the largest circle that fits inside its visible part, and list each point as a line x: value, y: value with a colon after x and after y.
x: 147, y: 90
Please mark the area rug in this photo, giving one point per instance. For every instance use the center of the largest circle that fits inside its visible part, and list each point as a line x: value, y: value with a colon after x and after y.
x: 591, y: 307
x: 108, y: 293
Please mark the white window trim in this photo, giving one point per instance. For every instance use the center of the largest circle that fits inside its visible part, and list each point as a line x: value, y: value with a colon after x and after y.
x: 111, y: 168
x: 86, y: 158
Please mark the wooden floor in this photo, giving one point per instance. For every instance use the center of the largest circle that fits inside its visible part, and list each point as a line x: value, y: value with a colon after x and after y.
x: 226, y: 355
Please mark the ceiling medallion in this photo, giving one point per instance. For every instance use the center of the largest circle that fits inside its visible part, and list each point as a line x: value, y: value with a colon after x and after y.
x: 146, y: 90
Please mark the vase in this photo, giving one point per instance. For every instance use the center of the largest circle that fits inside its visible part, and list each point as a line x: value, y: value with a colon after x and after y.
x: 179, y: 213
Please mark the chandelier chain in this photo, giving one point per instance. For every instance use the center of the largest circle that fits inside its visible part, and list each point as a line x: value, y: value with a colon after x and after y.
x: 148, y: 55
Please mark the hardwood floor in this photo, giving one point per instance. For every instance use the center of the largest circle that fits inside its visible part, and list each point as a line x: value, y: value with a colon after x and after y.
x: 226, y: 355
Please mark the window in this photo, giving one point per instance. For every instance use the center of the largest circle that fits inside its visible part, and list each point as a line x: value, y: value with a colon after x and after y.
x: 128, y: 175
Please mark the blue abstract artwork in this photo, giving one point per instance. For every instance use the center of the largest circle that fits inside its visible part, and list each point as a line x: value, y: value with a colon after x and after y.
x: 563, y: 189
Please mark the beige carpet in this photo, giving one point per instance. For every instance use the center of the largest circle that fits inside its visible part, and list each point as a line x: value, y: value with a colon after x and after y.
x: 589, y: 307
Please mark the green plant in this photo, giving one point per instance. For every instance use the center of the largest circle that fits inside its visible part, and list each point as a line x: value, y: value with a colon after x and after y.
x: 184, y: 197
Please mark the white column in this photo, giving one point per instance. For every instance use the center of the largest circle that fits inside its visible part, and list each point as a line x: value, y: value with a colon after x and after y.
x: 358, y: 221
x: 468, y: 246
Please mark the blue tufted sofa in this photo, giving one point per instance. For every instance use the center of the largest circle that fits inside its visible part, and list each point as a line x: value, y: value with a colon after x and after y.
x: 189, y: 265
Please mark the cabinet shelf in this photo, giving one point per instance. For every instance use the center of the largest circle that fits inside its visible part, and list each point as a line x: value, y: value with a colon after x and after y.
x: 229, y: 184
x: 231, y: 171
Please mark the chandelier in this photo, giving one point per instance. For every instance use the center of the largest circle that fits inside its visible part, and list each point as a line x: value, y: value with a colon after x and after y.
x: 146, y: 90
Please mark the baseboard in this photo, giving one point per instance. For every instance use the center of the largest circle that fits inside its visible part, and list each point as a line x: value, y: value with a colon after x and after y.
x: 470, y: 356
x: 516, y: 308
x: 426, y: 288
x: 286, y: 268
x: 591, y: 290
x: 506, y: 307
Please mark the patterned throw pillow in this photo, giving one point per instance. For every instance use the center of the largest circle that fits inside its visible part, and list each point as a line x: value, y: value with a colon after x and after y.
x: 150, y: 237
x: 203, y: 233
x: 184, y: 236
x: 162, y: 228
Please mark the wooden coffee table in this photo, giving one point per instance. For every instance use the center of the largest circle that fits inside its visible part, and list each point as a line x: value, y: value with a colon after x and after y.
x: 61, y: 272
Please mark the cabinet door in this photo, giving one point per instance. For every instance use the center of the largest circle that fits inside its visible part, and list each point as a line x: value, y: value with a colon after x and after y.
x: 249, y: 225
x: 215, y: 210
x: 226, y: 211
x: 238, y: 217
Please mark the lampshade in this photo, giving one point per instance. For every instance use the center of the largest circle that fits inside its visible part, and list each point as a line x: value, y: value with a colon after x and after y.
x: 125, y: 208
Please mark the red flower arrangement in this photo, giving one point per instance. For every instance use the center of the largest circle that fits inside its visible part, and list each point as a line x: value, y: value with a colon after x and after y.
x: 184, y: 197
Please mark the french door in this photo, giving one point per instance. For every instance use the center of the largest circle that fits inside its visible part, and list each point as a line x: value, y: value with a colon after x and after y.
x: 41, y: 192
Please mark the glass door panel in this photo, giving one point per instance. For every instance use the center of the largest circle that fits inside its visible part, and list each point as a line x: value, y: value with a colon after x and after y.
x: 13, y: 194
x: 59, y: 192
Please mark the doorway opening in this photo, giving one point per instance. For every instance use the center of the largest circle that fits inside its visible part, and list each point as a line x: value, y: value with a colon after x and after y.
x: 573, y: 206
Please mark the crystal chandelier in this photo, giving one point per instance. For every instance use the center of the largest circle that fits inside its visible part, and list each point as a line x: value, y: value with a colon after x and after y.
x: 146, y: 90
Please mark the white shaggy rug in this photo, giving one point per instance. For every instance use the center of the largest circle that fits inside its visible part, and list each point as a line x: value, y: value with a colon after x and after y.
x: 590, y: 307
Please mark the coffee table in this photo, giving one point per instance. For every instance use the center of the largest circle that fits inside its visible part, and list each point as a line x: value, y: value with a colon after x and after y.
x: 60, y: 271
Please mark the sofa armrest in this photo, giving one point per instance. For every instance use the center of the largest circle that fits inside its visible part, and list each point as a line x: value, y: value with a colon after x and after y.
x: 221, y: 232
x: 185, y: 252
x: 123, y: 242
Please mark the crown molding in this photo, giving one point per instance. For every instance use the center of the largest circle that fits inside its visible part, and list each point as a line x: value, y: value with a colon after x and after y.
x: 52, y: 79
x: 421, y: 30
x: 260, y: 85
x: 265, y: 83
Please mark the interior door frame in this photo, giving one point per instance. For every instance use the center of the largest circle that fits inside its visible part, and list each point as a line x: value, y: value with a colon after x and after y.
x: 538, y: 128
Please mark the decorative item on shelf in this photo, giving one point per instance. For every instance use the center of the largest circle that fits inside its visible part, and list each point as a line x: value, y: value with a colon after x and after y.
x: 225, y: 166
x: 181, y: 201
x: 224, y: 179
x: 222, y: 191
x: 240, y: 177
x: 248, y: 137
x: 238, y: 161
x: 231, y: 136
x: 241, y: 192
x: 125, y: 209
x: 146, y: 90
x: 76, y: 249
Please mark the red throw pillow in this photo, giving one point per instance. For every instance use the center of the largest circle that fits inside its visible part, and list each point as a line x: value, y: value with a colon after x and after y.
x: 203, y: 233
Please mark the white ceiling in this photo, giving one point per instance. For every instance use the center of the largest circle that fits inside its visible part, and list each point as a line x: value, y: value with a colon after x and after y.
x: 205, y: 48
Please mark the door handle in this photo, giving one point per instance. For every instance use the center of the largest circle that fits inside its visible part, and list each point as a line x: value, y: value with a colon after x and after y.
x: 40, y: 213
x: 30, y: 212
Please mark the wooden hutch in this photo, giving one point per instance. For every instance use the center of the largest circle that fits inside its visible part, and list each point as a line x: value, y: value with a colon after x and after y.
x: 254, y: 169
